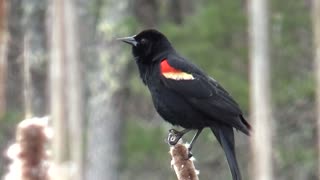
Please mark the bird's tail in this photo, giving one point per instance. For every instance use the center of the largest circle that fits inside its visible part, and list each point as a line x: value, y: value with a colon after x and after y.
x: 225, y: 136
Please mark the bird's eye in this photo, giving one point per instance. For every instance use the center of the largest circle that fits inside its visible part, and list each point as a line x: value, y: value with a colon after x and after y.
x: 144, y: 41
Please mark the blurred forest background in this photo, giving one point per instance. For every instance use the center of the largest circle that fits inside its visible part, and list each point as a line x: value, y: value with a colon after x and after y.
x: 120, y: 120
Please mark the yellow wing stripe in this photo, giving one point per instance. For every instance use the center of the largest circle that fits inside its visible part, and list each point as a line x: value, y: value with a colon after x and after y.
x: 178, y: 75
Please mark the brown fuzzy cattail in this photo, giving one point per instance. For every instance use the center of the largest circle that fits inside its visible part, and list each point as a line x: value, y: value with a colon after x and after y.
x: 182, y: 165
x: 29, y: 156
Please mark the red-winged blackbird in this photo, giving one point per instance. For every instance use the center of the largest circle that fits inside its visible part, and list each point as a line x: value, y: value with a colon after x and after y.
x: 184, y: 95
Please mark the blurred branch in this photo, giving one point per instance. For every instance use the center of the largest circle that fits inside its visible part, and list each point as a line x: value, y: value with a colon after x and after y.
x: 3, y: 55
x: 182, y: 165
x: 27, y: 90
x: 316, y: 31
x: 260, y: 89
x: 98, y: 7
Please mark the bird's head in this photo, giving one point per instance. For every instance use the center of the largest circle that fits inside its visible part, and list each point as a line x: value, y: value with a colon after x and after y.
x: 147, y: 45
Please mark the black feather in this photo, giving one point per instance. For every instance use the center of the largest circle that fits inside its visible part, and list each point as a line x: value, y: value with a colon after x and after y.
x: 225, y: 136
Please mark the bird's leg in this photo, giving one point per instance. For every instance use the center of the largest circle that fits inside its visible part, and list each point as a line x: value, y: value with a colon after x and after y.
x: 195, y: 137
x: 175, y: 136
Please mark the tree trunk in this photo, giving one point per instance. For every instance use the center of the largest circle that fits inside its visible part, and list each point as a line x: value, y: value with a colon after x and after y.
x: 316, y: 34
x: 260, y: 89
x: 146, y: 11
x: 14, y: 82
x: 74, y: 90
x: 104, y: 113
x: 66, y: 92
x: 57, y: 98
x: 35, y: 34
x: 179, y: 9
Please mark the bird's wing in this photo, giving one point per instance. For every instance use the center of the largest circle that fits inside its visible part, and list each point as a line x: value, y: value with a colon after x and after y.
x: 201, y: 91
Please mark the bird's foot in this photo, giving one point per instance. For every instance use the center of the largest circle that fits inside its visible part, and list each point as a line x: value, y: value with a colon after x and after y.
x: 174, y: 136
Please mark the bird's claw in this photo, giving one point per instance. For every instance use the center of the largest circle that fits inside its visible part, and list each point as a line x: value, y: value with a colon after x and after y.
x: 174, y: 136
x: 173, y: 131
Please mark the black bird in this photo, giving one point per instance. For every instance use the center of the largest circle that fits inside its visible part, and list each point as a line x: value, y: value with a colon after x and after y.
x: 185, y: 96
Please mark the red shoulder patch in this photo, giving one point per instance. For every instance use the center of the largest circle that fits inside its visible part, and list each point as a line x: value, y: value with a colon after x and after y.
x: 165, y: 67
x: 170, y: 72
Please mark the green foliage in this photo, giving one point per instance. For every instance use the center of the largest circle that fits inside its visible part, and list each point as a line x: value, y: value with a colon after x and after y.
x: 291, y: 52
x: 7, y: 129
x: 293, y: 89
x: 11, y: 118
x: 298, y: 155
x: 144, y: 143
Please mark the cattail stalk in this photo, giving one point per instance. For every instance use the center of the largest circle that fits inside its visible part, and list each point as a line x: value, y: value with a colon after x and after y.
x: 182, y: 164
x: 30, y: 159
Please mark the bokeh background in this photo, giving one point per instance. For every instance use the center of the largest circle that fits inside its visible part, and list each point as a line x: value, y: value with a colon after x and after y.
x: 119, y: 115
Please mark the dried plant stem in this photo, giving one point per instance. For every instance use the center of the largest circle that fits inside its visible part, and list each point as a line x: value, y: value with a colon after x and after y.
x: 182, y: 165
x: 30, y: 159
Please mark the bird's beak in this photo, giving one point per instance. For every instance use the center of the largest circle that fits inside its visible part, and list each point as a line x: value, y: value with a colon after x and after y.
x: 129, y: 40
